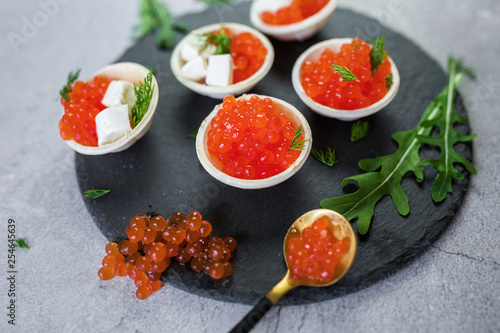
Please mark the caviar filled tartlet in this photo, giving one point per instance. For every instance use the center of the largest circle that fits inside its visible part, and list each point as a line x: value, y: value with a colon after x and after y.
x: 346, y: 78
x: 289, y: 20
x: 110, y: 111
x: 253, y: 141
x: 221, y: 59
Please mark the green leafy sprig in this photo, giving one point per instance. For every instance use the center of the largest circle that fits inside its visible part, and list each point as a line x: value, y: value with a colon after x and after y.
x: 72, y: 77
x: 193, y: 134
x: 220, y: 40
x: 327, y: 157
x: 344, y: 72
x: 143, y: 93
x: 154, y: 14
x: 383, y: 174
x: 296, y: 144
x: 389, y: 80
x: 21, y: 243
x: 359, y: 130
x: 97, y: 193
x: 377, y: 53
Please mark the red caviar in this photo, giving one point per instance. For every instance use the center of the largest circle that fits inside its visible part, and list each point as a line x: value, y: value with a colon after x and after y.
x: 297, y: 11
x: 78, y: 121
x: 326, y: 86
x: 251, y: 138
x: 248, y: 54
x: 313, y: 256
x: 144, y: 259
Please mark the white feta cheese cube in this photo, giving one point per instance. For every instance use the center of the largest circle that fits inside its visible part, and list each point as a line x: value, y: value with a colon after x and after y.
x: 220, y: 70
x: 272, y: 6
x: 195, y: 69
x: 189, y: 52
x: 112, y: 124
x: 119, y: 92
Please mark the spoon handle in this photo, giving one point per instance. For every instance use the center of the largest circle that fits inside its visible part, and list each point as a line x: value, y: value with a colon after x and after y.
x: 253, y: 317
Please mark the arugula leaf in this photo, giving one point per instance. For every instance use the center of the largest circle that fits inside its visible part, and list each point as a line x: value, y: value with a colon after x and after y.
x: 97, y: 193
x: 154, y: 14
x: 21, y: 243
x: 359, y: 130
x: 384, y: 173
x: 72, y: 77
x: 327, y: 158
x: 377, y: 53
x: 344, y: 72
x: 143, y: 93
x: 447, y: 138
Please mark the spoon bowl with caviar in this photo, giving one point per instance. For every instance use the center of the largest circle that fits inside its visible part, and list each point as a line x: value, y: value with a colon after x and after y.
x: 319, y: 249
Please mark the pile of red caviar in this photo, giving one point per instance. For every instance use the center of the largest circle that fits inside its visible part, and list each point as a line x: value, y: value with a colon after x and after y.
x: 296, y: 12
x: 153, y: 243
x: 251, y: 138
x: 326, y: 86
x: 313, y: 256
x: 248, y: 54
x: 78, y: 121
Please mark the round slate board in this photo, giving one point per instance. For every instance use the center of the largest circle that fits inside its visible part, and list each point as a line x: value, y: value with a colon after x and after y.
x: 161, y: 173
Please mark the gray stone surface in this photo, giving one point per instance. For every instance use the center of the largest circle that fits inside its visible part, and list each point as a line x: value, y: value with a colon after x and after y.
x: 453, y: 287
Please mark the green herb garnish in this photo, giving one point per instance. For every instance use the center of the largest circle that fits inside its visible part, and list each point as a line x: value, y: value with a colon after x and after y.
x: 193, y: 134
x: 220, y: 40
x: 21, y: 243
x: 154, y: 14
x: 384, y: 173
x: 327, y: 157
x: 94, y: 194
x: 377, y: 53
x: 359, y: 130
x: 344, y: 72
x: 215, y: 2
x: 72, y: 77
x: 143, y: 93
x: 296, y: 144
x: 388, y: 81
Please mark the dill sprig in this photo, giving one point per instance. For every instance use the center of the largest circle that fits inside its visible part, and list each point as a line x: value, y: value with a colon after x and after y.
x: 143, y: 93
x: 359, y: 130
x: 344, y: 72
x: 220, y: 40
x: 296, y: 144
x: 389, y: 81
x: 377, y: 53
x: 97, y: 193
x: 327, y: 157
x: 21, y: 243
x: 154, y: 14
x: 193, y: 134
x: 72, y: 77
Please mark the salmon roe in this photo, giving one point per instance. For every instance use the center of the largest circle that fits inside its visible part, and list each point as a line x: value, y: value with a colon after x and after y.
x: 313, y: 255
x: 251, y: 138
x: 296, y: 12
x: 78, y: 121
x: 326, y: 86
x: 153, y: 243
x: 248, y: 54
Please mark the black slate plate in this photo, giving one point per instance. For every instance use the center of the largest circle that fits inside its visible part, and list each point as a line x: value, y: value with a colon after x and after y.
x: 161, y: 173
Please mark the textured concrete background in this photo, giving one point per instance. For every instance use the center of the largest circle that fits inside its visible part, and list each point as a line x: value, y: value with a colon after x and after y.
x: 453, y: 287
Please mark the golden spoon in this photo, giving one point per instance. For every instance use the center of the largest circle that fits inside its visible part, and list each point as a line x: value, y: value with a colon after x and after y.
x: 341, y: 230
